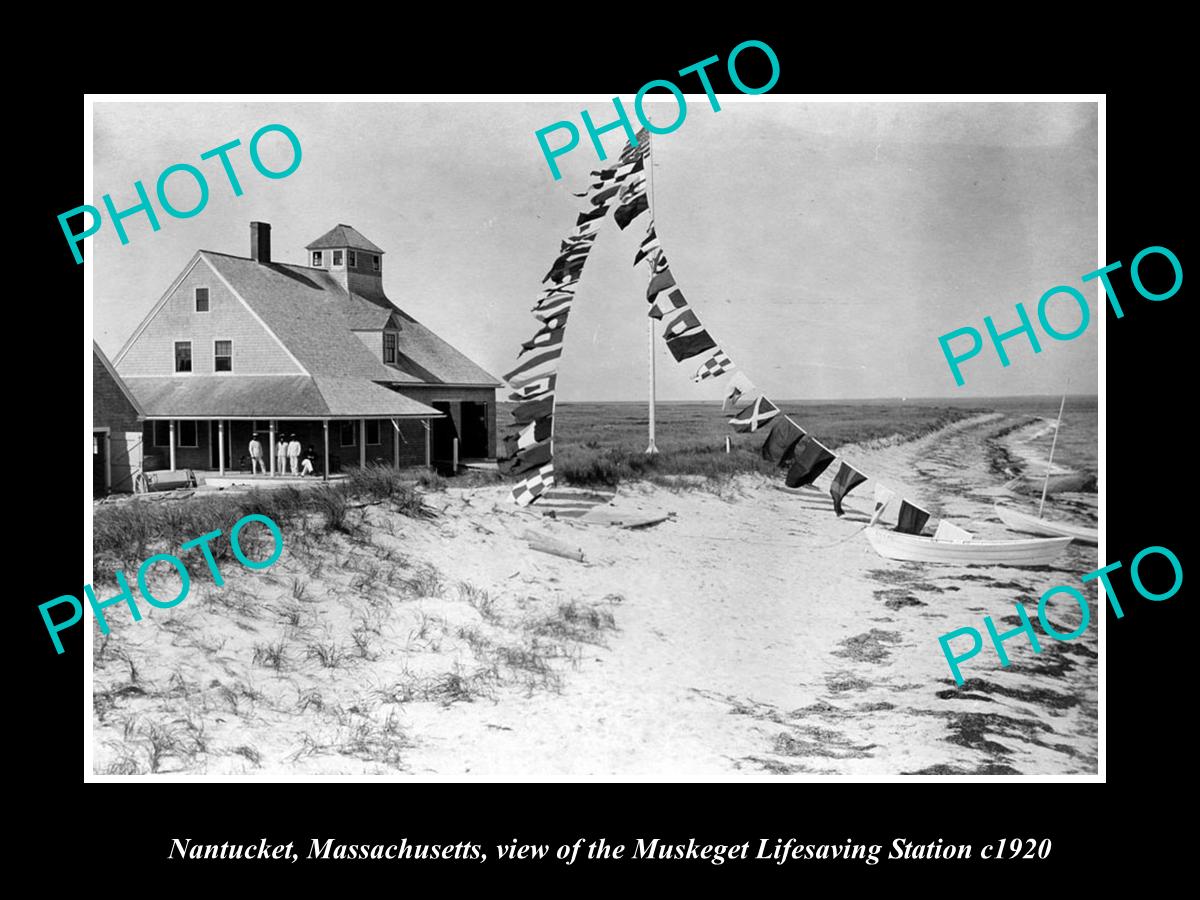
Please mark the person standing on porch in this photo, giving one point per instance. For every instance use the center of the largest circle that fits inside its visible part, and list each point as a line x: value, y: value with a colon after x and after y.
x: 281, y: 455
x: 293, y: 452
x: 256, y: 460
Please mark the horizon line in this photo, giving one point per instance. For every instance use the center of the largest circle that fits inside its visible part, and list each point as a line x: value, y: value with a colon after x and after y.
x: 848, y: 399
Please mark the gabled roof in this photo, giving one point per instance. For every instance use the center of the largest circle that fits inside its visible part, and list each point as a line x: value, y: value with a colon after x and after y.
x: 97, y: 353
x: 315, y: 318
x: 343, y: 236
x: 307, y: 310
x: 271, y: 396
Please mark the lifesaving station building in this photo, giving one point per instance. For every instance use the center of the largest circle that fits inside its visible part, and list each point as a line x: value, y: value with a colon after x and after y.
x: 239, y: 345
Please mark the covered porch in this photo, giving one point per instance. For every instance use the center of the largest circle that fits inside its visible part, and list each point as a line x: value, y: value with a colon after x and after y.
x: 207, y: 423
x: 330, y: 446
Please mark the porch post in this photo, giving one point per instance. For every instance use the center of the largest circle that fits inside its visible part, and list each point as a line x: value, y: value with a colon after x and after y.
x: 325, y: 468
x: 362, y: 443
x: 271, y: 457
x: 171, y: 441
x: 221, y: 446
x: 428, y: 443
x: 395, y: 444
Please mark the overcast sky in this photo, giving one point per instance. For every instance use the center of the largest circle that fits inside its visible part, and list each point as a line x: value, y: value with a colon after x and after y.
x: 826, y: 246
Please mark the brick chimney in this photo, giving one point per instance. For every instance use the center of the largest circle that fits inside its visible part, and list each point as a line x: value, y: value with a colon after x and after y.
x: 260, y: 242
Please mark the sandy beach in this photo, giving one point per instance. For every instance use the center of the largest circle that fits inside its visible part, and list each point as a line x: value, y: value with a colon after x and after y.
x: 751, y: 632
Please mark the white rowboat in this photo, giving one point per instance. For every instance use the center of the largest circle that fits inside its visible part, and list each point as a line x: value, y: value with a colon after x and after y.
x: 917, y: 548
x: 1023, y: 521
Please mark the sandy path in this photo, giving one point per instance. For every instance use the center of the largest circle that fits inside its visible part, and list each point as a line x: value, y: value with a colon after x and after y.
x: 759, y: 632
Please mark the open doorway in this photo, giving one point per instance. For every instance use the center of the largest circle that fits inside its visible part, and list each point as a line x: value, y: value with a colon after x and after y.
x: 474, y: 443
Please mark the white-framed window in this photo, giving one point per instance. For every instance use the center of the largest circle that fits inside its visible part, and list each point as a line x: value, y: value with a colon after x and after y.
x: 222, y: 356
x: 201, y: 299
x: 349, y: 430
x: 318, y: 258
x: 183, y: 356
x: 373, y: 435
x: 185, y: 433
x: 337, y: 257
x: 375, y: 262
x: 352, y: 259
x: 389, y: 347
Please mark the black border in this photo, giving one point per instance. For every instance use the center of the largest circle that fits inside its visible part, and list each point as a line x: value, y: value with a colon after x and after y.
x: 1147, y: 496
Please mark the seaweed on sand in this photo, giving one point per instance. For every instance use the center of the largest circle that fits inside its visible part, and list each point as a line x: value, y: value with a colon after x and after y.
x: 869, y: 646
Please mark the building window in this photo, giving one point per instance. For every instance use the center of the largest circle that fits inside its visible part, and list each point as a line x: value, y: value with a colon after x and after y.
x: 375, y: 263
x: 318, y: 258
x: 348, y: 430
x: 352, y: 259
x: 389, y: 347
x: 373, y: 432
x: 185, y: 434
x: 201, y: 299
x: 223, y: 356
x: 337, y: 257
x: 183, y: 356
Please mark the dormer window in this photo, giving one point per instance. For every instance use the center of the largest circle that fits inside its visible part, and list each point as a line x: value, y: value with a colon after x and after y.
x: 337, y: 257
x: 352, y: 259
x: 318, y: 258
x: 375, y: 262
x: 389, y: 347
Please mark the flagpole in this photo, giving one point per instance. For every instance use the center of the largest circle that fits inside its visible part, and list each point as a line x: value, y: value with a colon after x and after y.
x: 1050, y: 461
x: 651, y: 448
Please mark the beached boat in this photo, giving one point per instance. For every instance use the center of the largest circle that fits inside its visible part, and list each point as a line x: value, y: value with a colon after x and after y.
x: 1028, y: 522
x: 918, y: 548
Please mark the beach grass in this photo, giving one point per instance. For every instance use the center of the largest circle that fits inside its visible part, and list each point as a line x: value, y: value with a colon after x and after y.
x: 125, y: 534
x: 603, y: 444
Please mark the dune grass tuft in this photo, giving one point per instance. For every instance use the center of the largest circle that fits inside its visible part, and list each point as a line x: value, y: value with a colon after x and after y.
x: 124, y: 534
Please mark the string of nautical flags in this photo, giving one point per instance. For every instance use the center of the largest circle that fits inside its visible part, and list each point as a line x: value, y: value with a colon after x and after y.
x: 787, y: 444
x: 530, y: 445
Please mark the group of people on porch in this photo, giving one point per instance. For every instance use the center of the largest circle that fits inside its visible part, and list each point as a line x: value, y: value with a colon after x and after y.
x: 288, y: 453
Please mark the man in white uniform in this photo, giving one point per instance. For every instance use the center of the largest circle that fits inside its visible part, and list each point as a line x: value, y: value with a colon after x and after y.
x: 293, y: 452
x: 281, y: 455
x: 256, y: 460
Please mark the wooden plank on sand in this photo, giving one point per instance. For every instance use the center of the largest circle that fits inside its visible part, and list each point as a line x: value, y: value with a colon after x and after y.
x: 545, y: 544
x: 629, y: 519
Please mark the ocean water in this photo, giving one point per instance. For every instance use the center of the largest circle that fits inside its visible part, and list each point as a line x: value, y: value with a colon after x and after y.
x: 1078, y: 438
